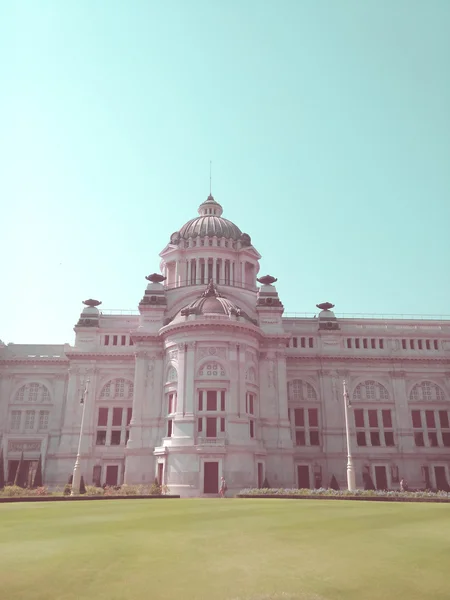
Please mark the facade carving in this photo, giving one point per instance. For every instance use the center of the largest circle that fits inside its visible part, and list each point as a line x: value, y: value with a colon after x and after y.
x: 211, y: 378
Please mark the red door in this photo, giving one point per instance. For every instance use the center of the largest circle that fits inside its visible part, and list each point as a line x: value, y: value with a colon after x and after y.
x: 381, y: 478
x: 112, y: 472
x: 211, y: 478
x: 303, y: 477
x: 260, y: 475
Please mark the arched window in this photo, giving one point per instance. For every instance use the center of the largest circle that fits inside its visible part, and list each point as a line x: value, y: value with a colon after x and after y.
x: 427, y: 391
x: 117, y: 388
x: 301, y: 390
x: 211, y: 369
x: 250, y: 375
x: 32, y: 392
x: 172, y: 375
x: 370, y: 390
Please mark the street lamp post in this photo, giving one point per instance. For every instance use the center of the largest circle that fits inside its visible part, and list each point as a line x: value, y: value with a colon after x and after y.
x: 351, y: 484
x: 76, y: 476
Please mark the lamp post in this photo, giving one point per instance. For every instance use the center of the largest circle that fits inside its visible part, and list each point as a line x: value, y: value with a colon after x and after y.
x: 76, y: 476
x: 351, y: 484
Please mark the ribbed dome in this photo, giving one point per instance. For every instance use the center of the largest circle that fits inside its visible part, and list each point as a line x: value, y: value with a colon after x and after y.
x: 210, y: 226
x: 210, y: 223
x: 212, y: 302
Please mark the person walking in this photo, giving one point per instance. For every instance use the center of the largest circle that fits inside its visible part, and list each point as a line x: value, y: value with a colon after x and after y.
x: 223, y: 487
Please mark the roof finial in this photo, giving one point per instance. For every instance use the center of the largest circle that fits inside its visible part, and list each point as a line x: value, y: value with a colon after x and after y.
x: 210, y: 169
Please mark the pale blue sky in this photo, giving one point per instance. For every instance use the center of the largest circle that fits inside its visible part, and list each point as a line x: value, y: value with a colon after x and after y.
x: 327, y: 122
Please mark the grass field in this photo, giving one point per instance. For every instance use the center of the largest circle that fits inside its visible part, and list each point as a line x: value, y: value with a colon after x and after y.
x: 224, y: 550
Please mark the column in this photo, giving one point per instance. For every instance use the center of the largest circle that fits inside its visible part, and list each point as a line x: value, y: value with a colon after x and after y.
x: 135, y: 440
x: 222, y: 271
x: 214, y: 269
x: 243, y: 274
x: 190, y: 380
x: 180, y: 409
x: 197, y: 271
x: 232, y: 273
x: 176, y: 273
x: 189, y: 272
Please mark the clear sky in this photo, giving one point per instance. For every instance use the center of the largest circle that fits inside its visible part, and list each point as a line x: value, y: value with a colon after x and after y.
x: 327, y: 122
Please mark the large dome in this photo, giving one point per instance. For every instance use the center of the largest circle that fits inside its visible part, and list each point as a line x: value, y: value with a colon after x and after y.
x: 210, y: 223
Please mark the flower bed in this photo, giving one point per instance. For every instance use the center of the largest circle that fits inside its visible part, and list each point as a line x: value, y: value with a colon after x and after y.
x: 14, y: 493
x: 329, y: 494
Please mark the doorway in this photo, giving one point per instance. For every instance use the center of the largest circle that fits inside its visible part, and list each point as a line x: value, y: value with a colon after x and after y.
x: 260, y: 475
x: 441, y: 478
x: 211, y: 478
x: 381, y: 478
x: 112, y: 474
x: 303, y: 477
x: 160, y: 473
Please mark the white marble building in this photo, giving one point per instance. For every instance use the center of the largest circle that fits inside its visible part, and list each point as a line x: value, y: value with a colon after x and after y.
x: 209, y: 378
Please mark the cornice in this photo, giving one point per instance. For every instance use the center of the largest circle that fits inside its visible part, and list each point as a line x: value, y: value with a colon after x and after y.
x: 82, y: 356
x: 225, y: 325
x: 31, y: 361
x: 368, y: 359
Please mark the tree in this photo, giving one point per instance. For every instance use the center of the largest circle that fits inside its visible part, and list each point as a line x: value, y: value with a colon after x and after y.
x: 334, y: 484
x: 82, y: 486
x: 38, y: 475
x: 2, y: 471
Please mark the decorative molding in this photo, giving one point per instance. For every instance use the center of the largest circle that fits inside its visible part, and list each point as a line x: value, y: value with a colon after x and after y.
x: 172, y: 354
x: 181, y: 347
x: 14, y: 446
x: 212, y: 351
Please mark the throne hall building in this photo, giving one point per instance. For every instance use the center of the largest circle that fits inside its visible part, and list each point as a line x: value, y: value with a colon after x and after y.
x: 209, y: 378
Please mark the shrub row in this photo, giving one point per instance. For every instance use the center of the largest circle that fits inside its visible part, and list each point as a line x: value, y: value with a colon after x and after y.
x: 330, y: 494
x: 14, y: 491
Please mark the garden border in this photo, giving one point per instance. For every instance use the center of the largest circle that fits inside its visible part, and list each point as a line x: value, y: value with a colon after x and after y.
x: 84, y: 498
x: 361, y: 498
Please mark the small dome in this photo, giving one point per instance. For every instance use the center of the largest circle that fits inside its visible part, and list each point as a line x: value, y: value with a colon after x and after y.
x: 212, y: 302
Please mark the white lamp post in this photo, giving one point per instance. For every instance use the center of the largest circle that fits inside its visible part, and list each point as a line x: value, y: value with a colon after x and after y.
x: 351, y: 484
x: 76, y: 477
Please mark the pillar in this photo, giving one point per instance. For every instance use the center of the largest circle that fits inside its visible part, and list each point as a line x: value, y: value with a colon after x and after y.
x: 197, y: 271
x: 214, y: 269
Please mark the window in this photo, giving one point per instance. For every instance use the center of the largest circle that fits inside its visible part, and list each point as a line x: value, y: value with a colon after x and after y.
x: 102, y: 420
x: 129, y: 415
x: 211, y: 369
x: 106, y: 340
x: 252, y: 428
x: 349, y: 342
x: 357, y: 343
x: 169, y: 428
x: 295, y: 342
x: 431, y: 428
x: 419, y: 439
x: 101, y: 437
x: 32, y: 392
x: 306, y: 426
x: 172, y: 404
x: 15, y: 420
x: 374, y: 426
x: 118, y: 388
x: 115, y: 437
x: 370, y: 390
x: 361, y: 438
x: 211, y: 400
x: 427, y: 391
x: 172, y: 375
x: 311, y: 342
x: 43, y: 419
x: 250, y: 404
x: 29, y: 419
x: 301, y: 390
x: 117, y: 416
x: 123, y: 340
x: 381, y: 344
x: 114, y: 340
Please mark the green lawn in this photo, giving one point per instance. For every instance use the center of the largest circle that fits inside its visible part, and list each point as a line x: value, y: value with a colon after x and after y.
x: 224, y: 550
